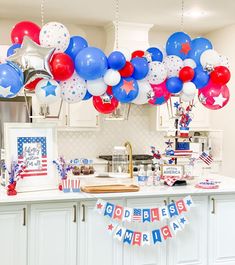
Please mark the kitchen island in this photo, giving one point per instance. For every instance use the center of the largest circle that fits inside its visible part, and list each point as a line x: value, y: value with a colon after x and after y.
x: 51, y: 227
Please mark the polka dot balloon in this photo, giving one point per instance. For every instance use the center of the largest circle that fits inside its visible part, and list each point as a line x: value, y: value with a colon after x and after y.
x: 173, y: 64
x: 157, y: 73
x: 73, y: 89
x: 54, y: 34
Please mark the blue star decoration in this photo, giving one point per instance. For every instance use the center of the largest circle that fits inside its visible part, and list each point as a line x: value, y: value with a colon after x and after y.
x: 49, y: 89
x: 169, y: 143
x: 182, y: 220
x: 176, y: 104
x: 189, y: 202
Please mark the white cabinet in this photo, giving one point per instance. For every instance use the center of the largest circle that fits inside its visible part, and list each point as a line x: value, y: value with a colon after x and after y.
x: 13, y: 235
x: 189, y: 247
x: 149, y: 255
x: 53, y: 234
x: 96, y: 245
x: 221, y: 230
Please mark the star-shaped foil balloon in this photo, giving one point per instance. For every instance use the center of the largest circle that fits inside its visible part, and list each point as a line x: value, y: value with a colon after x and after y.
x: 202, y: 99
x: 33, y: 60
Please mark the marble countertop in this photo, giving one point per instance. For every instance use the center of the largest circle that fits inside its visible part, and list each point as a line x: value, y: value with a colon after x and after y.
x: 227, y: 186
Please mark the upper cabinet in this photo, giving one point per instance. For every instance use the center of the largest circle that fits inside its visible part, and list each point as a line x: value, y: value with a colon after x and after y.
x: 162, y: 120
x: 78, y: 116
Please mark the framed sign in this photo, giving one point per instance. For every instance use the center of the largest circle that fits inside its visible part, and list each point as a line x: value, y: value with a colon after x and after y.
x: 35, y: 145
x: 172, y: 171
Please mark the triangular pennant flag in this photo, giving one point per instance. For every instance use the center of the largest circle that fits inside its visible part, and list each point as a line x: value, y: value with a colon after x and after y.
x: 100, y: 206
x: 127, y: 214
x: 164, y: 213
x: 189, y: 202
x: 175, y: 226
x: 128, y: 236
x: 145, y: 240
x: 111, y: 227
x: 119, y: 232
x: 166, y: 232
x: 181, y: 207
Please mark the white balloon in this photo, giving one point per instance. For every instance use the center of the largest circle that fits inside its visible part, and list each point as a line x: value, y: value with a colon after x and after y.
x: 189, y: 89
x: 96, y: 87
x: 112, y: 77
x: 210, y: 57
x: 190, y: 62
x: 144, y: 90
x: 157, y: 73
x: 54, y: 35
x: 186, y: 98
x: 73, y: 89
x: 173, y: 64
x: 224, y: 61
x: 47, y: 91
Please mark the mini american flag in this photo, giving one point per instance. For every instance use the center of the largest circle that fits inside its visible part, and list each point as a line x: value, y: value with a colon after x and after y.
x: 136, y: 215
x: 206, y: 158
x: 32, y: 151
x: 183, y: 152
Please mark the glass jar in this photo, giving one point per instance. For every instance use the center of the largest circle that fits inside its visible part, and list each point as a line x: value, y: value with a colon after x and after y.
x: 119, y: 160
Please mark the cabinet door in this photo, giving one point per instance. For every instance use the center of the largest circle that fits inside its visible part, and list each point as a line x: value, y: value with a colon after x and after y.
x: 96, y: 245
x: 53, y: 234
x: 222, y: 232
x: 189, y: 246
x: 148, y: 255
x: 13, y: 235
x: 201, y: 117
x: 83, y: 115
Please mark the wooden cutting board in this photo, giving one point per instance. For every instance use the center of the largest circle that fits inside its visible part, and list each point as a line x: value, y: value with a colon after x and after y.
x: 111, y: 188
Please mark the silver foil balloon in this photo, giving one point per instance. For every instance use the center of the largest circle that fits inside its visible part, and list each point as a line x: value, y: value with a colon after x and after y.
x: 33, y: 60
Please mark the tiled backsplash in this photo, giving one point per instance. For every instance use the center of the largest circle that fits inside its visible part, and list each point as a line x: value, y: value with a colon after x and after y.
x: 91, y: 144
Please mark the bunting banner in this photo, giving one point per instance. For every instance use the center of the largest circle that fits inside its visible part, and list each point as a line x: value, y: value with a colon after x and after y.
x: 117, y: 215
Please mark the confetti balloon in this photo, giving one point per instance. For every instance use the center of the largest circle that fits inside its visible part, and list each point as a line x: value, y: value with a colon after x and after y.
x: 74, y: 89
x: 145, y: 91
x: 160, y: 94
x: 214, y: 96
x: 157, y: 73
x: 47, y: 91
x: 55, y: 35
x: 96, y: 87
x: 173, y: 64
x: 224, y: 61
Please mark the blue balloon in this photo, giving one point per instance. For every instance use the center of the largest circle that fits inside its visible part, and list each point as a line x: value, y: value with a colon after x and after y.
x: 76, y: 44
x: 11, y: 49
x: 178, y: 44
x: 126, y: 91
x: 91, y: 63
x: 198, y: 46
x: 201, y: 77
x: 116, y: 60
x: 87, y: 96
x: 156, y: 54
x: 10, y: 81
x: 174, y: 85
x: 141, y: 68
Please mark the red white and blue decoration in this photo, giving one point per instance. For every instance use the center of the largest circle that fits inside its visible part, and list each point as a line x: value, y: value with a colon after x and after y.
x: 190, y: 67
x: 117, y: 216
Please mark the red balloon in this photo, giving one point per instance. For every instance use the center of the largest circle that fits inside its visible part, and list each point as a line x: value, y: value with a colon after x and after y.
x: 127, y: 70
x: 107, y: 103
x: 62, y: 66
x: 25, y: 28
x: 31, y: 86
x: 138, y: 53
x: 186, y: 74
x: 214, y: 96
x: 161, y: 94
x: 220, y: 75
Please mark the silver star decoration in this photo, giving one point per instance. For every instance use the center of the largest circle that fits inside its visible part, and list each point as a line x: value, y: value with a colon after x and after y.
x: 106, y: 99
x: 5, y: 92
x: 202, y: 99
x: 209, y: 68
x: 150, y: 94
x: 33, y: 60
x: 148, y: 56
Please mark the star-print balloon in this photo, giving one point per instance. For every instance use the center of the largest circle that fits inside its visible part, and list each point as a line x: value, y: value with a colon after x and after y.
x: 126, y: 90
x: 214, y: 96
x: 47, y: 91
x: 73, y: 89
x: 33, y: 60
x: 173, y: 64
x: 157, y: 73
x: 55, y: 35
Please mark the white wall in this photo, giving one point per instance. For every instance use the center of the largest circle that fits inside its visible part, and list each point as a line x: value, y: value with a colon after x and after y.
x: 223, y: 41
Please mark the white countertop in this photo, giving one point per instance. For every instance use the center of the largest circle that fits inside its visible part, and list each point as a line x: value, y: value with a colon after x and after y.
x: 227, y: 186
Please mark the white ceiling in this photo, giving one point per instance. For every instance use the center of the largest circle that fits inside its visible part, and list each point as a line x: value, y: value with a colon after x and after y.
x: 164, y: 14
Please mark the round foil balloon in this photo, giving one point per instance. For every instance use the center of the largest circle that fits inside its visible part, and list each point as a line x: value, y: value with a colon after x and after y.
x: 96, y: 87
x: 127, y: 90
x: 55, y: 35
x: 173, y: 64
x: 74, y: 89
x: 214, y: 96
x: 145, y: 91
x: 106, y: 103
x: 157, y: 73
x: 160, y: 94
x: 47, y: 91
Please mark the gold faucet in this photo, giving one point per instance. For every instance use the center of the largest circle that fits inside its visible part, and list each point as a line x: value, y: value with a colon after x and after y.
x: 130, y: 169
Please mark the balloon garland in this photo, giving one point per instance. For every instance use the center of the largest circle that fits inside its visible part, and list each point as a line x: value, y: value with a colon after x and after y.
x: 56, y: 66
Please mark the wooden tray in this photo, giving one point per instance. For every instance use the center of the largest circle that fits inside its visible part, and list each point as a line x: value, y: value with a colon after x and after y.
x: 111, y: 188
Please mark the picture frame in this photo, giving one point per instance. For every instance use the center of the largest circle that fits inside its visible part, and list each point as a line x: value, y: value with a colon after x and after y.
x: 36, y: 146
x: 172, y: 170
